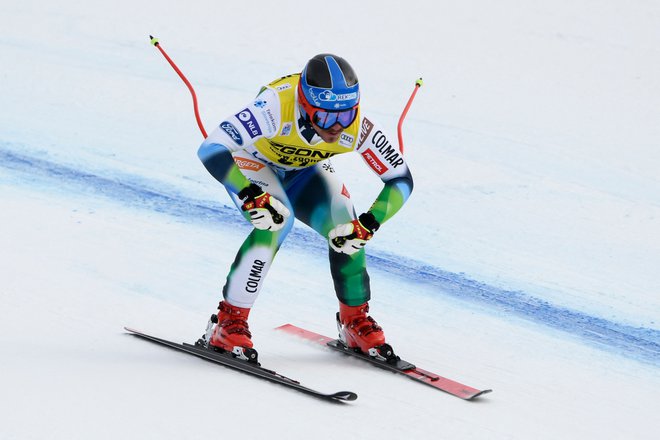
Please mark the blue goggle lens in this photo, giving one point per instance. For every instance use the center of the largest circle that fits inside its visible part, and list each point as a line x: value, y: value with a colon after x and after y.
x: 325, y: 119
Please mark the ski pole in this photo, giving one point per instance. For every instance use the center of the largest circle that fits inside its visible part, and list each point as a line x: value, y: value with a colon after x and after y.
x: 418, y: 84
x: 155, y: 42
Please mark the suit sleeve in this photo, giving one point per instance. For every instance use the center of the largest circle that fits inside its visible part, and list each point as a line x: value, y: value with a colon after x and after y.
x: 258, y: 119
x: 385, y: 159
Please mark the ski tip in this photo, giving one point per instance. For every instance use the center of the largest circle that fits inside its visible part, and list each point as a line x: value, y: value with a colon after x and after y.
x: 133, y: 331
x: 345, y: 395
x: 305, y: 334
x: 480, y: 393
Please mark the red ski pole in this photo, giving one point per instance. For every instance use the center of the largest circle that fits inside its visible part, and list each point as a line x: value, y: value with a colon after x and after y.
x: 155, y: 42
x: 418, y: 84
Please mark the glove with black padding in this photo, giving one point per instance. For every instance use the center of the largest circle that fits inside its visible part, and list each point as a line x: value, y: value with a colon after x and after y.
x: 266, y: 212
x: 351, y: 237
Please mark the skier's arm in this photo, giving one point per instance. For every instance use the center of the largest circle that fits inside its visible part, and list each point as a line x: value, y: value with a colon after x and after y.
x: 392, y: 197
x: 219, y: 162
x: 385, y: 159
x: 258, y: 119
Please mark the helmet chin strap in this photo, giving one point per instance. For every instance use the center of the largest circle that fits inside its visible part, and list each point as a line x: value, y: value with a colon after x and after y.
x: 307, y: 121
x: 306, y: 128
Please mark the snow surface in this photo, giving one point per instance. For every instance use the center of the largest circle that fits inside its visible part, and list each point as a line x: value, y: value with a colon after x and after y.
x: 534, y: 143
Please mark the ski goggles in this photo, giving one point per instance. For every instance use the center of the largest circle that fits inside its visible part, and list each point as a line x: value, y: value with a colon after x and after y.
x: 327, y: 118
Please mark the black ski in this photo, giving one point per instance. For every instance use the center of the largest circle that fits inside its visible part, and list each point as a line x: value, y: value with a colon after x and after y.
x: 251, y: 368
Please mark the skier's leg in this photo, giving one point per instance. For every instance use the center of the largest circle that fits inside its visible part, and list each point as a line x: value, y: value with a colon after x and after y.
x: 322, y: 202
x: 252, y: 262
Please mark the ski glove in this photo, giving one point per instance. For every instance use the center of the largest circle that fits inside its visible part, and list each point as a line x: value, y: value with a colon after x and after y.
x: 266, y: 212
x: 351, y: 237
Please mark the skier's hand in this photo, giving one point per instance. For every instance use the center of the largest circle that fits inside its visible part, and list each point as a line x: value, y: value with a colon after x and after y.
x: 266, y: 212
x: 351, y: 237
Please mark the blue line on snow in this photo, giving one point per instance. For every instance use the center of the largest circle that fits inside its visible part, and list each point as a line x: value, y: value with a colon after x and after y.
x: 638, y: 343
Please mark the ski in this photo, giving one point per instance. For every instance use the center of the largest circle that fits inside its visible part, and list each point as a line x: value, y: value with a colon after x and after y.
x: 252, y: 368
x: 396, y: 365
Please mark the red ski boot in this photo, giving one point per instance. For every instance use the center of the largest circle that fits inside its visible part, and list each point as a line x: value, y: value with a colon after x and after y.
x: 361, y: 332
x: 232, y: 333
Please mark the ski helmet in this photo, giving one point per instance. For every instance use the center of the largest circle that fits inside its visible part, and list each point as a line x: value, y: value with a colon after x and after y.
x: 329, y: 84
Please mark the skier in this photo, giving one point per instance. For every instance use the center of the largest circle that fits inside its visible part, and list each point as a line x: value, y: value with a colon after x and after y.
x: 273, y: 157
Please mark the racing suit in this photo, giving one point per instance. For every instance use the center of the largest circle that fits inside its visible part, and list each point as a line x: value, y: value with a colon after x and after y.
x: 269, y: 143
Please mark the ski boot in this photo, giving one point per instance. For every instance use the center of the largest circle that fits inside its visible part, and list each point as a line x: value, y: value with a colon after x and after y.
x: 231, y: 332
x: 362, y: 334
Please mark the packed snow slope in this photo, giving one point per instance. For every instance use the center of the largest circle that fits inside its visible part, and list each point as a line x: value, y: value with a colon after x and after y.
x: 525, y: 261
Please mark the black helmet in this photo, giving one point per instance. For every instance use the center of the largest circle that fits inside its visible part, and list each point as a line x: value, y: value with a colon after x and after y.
x: 328, y: 82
